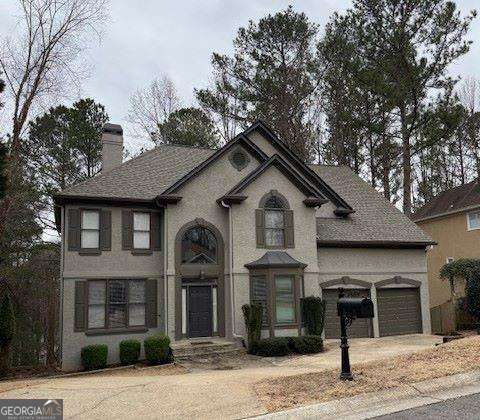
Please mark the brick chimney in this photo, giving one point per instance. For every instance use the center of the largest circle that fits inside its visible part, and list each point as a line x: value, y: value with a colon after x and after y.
x: 112, y: 146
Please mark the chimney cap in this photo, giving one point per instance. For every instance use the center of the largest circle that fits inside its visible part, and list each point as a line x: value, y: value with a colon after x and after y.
x: 113, y: 129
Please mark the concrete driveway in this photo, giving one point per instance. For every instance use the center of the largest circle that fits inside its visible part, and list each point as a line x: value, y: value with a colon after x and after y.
x: 203, y: 392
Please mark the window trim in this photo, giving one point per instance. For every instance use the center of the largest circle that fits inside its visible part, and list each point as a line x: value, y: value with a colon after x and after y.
x: 282, y: 211
x: 90, y: 251
x: 294, y: 295
x: 149, y: 231
x: 270, y: 274
x: 469, y: 227
x: 106, y: 329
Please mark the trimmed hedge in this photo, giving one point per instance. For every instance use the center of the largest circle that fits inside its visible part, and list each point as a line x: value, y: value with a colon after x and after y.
x: 157, y: 349
x: 129, y: 352
x: 306, y: 344
x: 270, y: 347
x: 282, y: 346
x: 94, y: 356
x: 313, y: 314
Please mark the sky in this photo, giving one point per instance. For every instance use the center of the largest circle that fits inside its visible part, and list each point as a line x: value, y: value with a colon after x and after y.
x: 146, y: 38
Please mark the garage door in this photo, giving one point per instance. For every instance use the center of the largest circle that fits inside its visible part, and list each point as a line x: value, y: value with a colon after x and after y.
x: 360, y: 327
x: 399, y: 311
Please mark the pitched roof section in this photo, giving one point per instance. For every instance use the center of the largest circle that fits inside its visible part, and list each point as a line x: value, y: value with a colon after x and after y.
x: 450, y: 201
x: 143, y: 177
x: 276, y: 259
x: 277, y: 161
x: 376, y: 222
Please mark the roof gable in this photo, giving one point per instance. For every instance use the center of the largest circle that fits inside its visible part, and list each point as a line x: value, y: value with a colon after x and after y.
x: 251, y: 147
x: 286, y: 169
x: 299, y: 165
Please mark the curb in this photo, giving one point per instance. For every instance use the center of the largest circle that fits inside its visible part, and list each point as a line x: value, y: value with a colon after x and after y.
x: 380, y: 403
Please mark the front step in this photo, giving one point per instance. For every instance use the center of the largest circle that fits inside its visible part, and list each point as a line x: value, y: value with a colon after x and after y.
x: 189, y: 350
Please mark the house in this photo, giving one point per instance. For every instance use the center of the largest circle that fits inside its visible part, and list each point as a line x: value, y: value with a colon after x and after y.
x: 177, y: 239
x: 452, y: 219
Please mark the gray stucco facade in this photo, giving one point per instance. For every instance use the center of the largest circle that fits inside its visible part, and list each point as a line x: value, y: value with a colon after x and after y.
x: 232, y: 221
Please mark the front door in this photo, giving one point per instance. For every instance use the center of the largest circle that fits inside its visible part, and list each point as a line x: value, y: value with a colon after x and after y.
x: 200, y: 307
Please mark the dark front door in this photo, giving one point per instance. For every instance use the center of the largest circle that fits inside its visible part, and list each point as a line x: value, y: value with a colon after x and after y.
x: 200, y: 307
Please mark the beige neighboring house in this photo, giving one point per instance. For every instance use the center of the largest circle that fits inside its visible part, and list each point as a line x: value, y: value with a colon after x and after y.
x: 452, y: 219
x: 177, y: 239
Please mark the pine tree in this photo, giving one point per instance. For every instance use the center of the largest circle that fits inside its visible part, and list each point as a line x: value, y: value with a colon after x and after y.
x: 7, y: 331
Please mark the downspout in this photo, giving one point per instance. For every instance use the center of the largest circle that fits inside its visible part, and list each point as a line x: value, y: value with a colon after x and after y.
x: 230, y: 267
x: 62, y: 269
x: 165, y: 270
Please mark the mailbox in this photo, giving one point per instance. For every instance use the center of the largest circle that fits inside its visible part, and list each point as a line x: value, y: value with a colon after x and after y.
x: 355, y: 307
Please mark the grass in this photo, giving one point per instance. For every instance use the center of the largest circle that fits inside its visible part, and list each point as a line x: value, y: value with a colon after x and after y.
x: 447, y: 359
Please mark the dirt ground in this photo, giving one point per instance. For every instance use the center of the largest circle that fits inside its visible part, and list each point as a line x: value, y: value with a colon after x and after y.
x: 216, y: 388
x: 448, y: 359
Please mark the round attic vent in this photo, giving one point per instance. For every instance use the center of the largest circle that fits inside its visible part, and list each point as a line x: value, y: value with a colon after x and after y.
x: 239, y: 159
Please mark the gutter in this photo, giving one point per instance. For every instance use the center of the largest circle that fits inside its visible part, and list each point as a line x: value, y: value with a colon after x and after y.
x: 230, y: 267
x: 165, y: 270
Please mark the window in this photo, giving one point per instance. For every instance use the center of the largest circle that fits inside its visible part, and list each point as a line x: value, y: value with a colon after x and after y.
x: 284, y: 300
x: 473, y: 221
x: 274, y: 222
x: 90, y: 234
x: 199, y: 246
x: 141, y: 230
x: 259, y: 295
x: 116, y: 303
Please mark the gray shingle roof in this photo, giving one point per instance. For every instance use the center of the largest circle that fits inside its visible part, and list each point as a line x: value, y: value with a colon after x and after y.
x: 143, y: 177
x: 275, y: 259
x: 374, y: 220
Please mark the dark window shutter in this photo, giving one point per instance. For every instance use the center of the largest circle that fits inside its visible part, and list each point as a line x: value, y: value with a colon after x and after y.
x: 127, y: 229
x: 259, y: 227
x: 289, y: 231
x: 259, y: 295
x: 74, y: 229
x: 156, y: 231
x: 81, y: 297
x: 105, y: 230
x: 151, y: 303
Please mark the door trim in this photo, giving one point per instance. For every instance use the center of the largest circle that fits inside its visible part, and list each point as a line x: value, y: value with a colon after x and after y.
x: 187, y: 285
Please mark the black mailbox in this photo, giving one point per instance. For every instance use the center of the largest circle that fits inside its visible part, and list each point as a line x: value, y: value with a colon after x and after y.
x: 355, y: 307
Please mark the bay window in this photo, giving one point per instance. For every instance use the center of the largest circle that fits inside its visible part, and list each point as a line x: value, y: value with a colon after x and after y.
x: 284, y: 299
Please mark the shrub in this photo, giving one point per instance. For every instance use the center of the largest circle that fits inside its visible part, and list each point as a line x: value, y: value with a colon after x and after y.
x: 94, y: 356
x: 472, y: 299
x: 270, y: 347
x: 129, y: 352
x: 306, y: 344
x: 253, y: 323
x: 313, y: 314
x: 157, y: 349
x: 7, y: 331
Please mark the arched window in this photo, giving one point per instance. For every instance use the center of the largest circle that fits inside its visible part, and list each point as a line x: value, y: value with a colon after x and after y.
x: 274, y: 222
x: 199, y: 246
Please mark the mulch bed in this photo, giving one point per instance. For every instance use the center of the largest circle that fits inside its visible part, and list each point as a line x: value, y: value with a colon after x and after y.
x: 455, y: 357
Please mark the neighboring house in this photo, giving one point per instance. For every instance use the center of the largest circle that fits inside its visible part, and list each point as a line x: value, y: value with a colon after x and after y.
x: 177, y: 239
x: 452, y: 219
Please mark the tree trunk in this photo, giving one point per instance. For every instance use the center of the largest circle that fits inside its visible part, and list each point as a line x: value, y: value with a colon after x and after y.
x: 406, y: 163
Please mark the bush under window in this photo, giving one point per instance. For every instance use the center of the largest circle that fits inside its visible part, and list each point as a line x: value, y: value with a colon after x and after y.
x: 94, y: 356
x: 313, y: 314
x: 129, y: 352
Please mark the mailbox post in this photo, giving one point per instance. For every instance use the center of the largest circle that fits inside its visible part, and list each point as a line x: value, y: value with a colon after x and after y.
x: 349, y: 309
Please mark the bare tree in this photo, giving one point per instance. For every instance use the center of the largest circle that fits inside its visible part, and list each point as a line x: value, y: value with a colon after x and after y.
x: 150, y: 107
x: 41, y: 61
